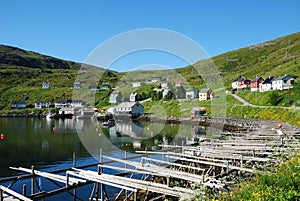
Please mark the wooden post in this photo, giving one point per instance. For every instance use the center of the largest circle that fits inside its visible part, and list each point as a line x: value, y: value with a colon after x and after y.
x: 67, y: 179
x: 32, y: 180
x: 24, y: 190
x: 134, y: 196
x: 1, y: 195
x: 74, y: 165
x: 100, y: 171
x: 74, y: 159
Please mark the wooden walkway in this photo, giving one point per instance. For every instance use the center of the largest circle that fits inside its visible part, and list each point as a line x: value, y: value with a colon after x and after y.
x: 177, y: 170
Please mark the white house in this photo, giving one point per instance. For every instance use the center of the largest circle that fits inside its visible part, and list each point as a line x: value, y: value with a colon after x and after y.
x: 192, y: 93
x: 266, y: 85
x: 45, y: 85
x: 165, y: 85
x: 132, y: 97
x: 40, y: 105
x: 283, y: 82
x: 130, y: 108
x: 115, y: 97
x: 136, y: 84
x: 241, y: 83
x: 16, y: 105
x: 76, y: 85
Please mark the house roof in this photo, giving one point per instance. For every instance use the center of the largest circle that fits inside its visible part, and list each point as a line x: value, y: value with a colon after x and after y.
x: 256, y: 79
x: 128, y: 104
x: 198, y: 109
x: 268, y: 80
x: 204, y: 90
x: 284, y: 78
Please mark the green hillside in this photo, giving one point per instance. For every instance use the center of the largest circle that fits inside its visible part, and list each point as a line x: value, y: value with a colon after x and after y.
x: 22, y: 73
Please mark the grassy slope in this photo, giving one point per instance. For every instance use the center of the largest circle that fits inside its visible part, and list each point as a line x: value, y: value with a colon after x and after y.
x: 21, y: 79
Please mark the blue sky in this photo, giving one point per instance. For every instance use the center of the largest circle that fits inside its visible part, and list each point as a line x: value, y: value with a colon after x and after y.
x: 73, y: 29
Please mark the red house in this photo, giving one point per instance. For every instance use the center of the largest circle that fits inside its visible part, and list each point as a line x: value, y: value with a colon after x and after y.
x: 256, y: 82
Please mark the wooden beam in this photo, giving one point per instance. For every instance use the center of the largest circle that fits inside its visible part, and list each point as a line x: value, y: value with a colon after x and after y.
x: 14, y: 194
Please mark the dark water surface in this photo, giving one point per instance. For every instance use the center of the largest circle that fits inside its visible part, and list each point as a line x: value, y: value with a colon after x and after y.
x: 49, y: 144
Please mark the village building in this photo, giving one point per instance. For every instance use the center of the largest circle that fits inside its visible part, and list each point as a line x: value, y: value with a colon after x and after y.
x: 165, y: 92
x: 165, y: 85
x: 192, y: 93
x: 94, y: 87
x: 205, y: 94
x: 132, y: 97
x: 115, y: 97
x: 283, y: 82
x: 18, y: 105
x: 77, y: 103
x: 130, y: 109
x: 179, y: 84
x: 76, y: 85
x: 266, y: 85
x: 197, y: 112
x: 241, y: 83
x: 67, y: 111
x: 105, y: 86
x: 62, y: 104
x: 46, y: 85
x: 136, y: 84
x: 256, y: 82
x: 39, y: 105
x: 155, y: 79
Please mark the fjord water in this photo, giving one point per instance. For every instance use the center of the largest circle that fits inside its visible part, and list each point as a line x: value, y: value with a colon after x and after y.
x: 49, y: 144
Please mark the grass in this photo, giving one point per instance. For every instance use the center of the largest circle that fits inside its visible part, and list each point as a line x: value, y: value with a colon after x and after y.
x: 281, y: 183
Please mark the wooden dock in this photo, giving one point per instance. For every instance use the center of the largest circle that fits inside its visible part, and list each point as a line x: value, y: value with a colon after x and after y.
x: 170, y: 172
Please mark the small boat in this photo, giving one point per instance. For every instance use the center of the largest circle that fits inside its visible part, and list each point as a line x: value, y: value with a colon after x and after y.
x: 50, y: 115
x: 109, y: 123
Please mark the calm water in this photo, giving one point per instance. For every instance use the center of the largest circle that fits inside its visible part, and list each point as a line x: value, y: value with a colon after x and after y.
x: 49, y: 144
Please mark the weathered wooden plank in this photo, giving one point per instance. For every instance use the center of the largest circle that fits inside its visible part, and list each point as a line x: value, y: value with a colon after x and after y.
x: 56, y: 177
x: 213, y: 164
x: 138, y: 184
x: 14, y: 194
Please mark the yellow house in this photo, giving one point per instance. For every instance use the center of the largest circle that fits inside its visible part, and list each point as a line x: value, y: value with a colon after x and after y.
x: 205, y: 94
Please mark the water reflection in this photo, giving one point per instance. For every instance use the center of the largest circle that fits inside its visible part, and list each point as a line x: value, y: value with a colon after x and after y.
x: 41, y: 141
x: 35, y: 142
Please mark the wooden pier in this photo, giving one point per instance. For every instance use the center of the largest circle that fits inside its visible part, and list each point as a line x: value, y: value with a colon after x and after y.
x: 152, y: 175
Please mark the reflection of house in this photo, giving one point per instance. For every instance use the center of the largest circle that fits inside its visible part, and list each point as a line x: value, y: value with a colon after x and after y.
x: 266, y: 85
x: 131, y: 128
x: 205, y: 94
x: 130, y: 108
x: 115, y: 97
x: 136, y: 84
x: 40, y: 105
x: 76, y: 85
x: 284, y: 82
x: 17, y: 105
x: 192, y: 93
x: 45, y: 85
x: 132, y: 97
x: 198, y: 112
x: 255, y: 83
